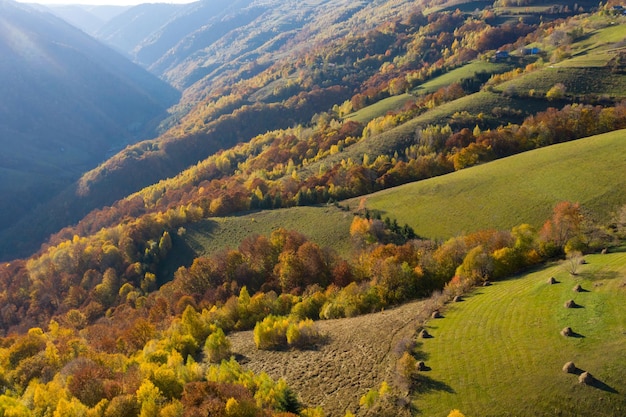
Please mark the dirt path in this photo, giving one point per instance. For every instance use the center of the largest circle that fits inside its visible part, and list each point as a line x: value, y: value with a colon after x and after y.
x: 359, y: 355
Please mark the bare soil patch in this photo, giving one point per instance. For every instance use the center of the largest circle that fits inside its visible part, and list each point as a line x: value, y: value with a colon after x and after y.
x: 358, y: 355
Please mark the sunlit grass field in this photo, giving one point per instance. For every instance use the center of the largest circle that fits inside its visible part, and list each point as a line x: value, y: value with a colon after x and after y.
x: 500, y: 352
x: 520, y: 189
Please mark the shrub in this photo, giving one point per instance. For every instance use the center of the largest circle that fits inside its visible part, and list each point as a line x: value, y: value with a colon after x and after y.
x: 217, y: 346
x: 276, y: 332
x: 271, y: 333
x: 303, y: 333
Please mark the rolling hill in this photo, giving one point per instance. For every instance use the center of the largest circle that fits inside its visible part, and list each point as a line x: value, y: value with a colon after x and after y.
x: 519, y: 189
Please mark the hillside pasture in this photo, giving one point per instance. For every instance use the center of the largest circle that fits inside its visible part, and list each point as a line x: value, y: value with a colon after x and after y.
x: 380, y: 108
x: 327, y: 226
x: 507, y: 192
x: 597, y: 81
x: 501, y: 353
x: 457, y: 74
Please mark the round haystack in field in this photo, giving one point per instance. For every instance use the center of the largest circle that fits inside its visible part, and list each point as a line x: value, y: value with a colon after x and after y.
x: 578, y: 288
x: 585, y: 378
x: 552, y: 280
x: 457, y: 298
x: 567, y: 331
x: 486, y: 284
x: 570, y: 304
x: 423, y: 334
x: 436, y: 315
x: 569, y: 367
x: 421, y: 366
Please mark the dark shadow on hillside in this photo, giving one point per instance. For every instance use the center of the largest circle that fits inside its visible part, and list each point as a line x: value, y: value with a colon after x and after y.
x: 599, y: 275
x: 181, y: 254
x: 423, y: 384
x: 241, y: 359
x: 602, y: 386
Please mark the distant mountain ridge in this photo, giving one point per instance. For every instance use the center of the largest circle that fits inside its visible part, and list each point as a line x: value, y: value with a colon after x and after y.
x: 89, y: 18
x: 198, y: 43
x: 68, y: 102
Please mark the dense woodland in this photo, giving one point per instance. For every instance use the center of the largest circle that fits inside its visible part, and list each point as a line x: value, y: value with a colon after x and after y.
x: 91, y: 326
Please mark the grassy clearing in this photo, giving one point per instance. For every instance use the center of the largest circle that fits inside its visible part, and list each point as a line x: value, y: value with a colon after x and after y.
x: 380, y: 108
x: 396, y: 139
x: 514, y: 190
x: 500, y: 352
x: 586, y: 72
x: 466, y: 71
x: 384, y: 106
x: 578, y: 81
x: 327, y: 226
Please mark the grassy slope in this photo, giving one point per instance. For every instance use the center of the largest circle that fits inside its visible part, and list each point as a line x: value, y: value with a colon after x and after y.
x: 499, y: 353
x: 457, y: 74
x: 514, y: 190
x: 327, y: 226
x: 380, y: 108
x: 393, y: 103
x: 400, y: 136
x: 585, y: 72
x: 501, y: 194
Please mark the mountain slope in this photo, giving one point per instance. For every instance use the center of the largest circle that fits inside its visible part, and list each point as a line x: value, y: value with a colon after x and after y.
x: 519, y: 189
x: 130, y: 28
x: 67, y: 102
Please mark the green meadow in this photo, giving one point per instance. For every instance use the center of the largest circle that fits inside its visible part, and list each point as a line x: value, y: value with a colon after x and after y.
x: 500, y: 352
x: 507, y: 192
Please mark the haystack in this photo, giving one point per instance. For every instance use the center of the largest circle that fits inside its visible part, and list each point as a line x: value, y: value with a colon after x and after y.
x: 578, y: 288
x: 567, y: 331
x: 424, y: 334
x: 585, y: 378
x: 486, y: 284
x: 570, y: 304
x: 569, y: 367
x: 457, y: 298
x: 421, y: 366
x: 552, y: 280
x: 436, y: 315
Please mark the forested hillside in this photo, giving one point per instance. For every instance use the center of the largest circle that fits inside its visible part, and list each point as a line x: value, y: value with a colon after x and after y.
x: 356, y: 72
x: 128, y: 310
x: 68, y: 102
